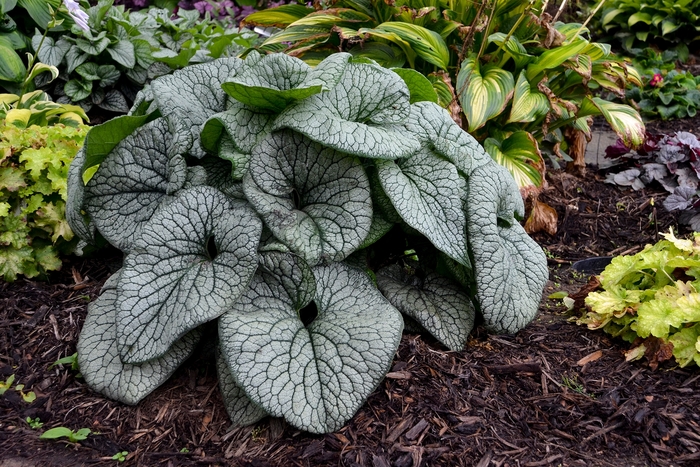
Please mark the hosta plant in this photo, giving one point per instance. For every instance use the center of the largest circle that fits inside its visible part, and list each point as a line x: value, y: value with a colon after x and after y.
x: 673, y: 161
x: 506, y: 71
x: 301, y: 210
x: 34, y: 164
x: 652, y: 299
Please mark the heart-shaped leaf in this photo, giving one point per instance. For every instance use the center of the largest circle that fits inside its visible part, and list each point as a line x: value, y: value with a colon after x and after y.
x: 99, y: 360
x: 520, y: 154
x: 314, y: 199
x: 184, y: 270
x: 316, y: 375
x: 509, y: 267
x: 244, y: 125
x: 528, y: 105
x: 131, y: 183
x: 438, y: 304
x: 483, y: 93
x: 367, y: 127
x: 427, y: 192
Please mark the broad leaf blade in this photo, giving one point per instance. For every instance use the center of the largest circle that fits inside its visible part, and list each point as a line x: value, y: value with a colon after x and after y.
x: 483, y: 93
x: 314, y: 199
x: 241, y: 410
x: 528, y: 105
x: 99, y: 360
x: 185, y: 270
x: 315, y: 376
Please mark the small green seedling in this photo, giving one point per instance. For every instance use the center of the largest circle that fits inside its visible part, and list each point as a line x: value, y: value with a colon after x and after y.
x: 72, y: 359
x: 34, y: 423
x: 184, y: 450
x: 7, y: 384
x: 63, y: 432
x: 120, y: 456
x: 28, y: 397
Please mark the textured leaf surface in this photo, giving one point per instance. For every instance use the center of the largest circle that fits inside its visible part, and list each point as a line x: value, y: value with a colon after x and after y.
x: 244, y: 125
x: 191, y: 262
x: 130, y: 184
x: 317, y: 376
x: 187, y: 111
x: 360, y: 115
x: 314, y: 199
x: 241, y: 410
x: 510, y: 268
x: 438, y: 304
x: 432, y: 124
x: 99, y: 360
x: 427, y: 192
x: 78, y: 221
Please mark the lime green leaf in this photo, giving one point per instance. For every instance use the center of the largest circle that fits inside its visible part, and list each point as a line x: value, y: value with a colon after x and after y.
x: 14, y: 261
x: 277, y: 17
x: 639, y: 16
x: 483, y: 94
x: 528, y: 104
x: 686, y: 345
x: 11, y: 179
x: 18, y: 117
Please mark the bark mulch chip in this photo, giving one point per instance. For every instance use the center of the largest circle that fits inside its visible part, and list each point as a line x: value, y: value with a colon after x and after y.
x: 553, y: 394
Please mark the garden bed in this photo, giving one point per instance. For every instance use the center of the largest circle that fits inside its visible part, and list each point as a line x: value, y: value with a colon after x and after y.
x: 554, y: 394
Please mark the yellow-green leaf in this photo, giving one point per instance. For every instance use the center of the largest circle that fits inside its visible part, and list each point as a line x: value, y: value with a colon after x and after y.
x: 483, y: 94
x: 277, y: 17
x: 528, y: 104
x: 18, y: 117
x: 623, y: 119
x: 554, y: 58
x: 520, y: 154
x: 427, y: 44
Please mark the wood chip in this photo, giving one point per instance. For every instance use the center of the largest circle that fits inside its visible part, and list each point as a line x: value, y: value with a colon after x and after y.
x: 592, y: 357
x: 416, y: 431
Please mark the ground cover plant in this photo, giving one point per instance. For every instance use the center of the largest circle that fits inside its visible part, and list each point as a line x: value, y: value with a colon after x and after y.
x: 651, y: 299
x: 508, y: 73
x: 251, y: 195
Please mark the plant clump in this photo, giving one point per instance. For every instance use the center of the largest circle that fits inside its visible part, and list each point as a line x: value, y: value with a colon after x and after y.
x: 302, y: 210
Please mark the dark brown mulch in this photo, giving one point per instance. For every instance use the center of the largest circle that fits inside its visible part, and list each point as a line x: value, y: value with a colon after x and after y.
x: 554, y: 394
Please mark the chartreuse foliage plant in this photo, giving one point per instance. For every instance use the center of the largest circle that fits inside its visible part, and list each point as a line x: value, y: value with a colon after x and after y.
x: 511, y: 75
x: 654, y: 294
x: 34, y: 164
x: 277, y: 201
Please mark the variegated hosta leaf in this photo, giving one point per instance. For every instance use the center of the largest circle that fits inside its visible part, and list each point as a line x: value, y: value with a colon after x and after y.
x: 483, y: 92
x: 317, y: 375
x: 427, y: 192
x: 528, y: 104
x: 244, y: 126
x: 191, y: 262
x: 131, y: 183
x: 520, y: 154
x: 433, y: 125
x: 241, y: 410
x: 509, y: 267
x: 438, y: 304
x: 367, y: 126
x: 626, y: 121
x: 187, y: 111
x: 99, y: 360
x: 314, y: 199
x: 277, y: 80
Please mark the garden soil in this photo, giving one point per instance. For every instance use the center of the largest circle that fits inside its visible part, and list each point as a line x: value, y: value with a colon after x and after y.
x: 555, y: 394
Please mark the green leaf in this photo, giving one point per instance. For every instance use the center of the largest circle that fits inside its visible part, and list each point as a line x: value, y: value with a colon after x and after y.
x: 623, y: 119
x: 528, y: 104
x: 439, y: 305
x: 77, y: 90
x: 244, y: 125
x: 314, y: 199
x: 51, y: 52
x: 58, y: 432
x: 420, y: 88
x: 278, y: 17
x: 316, y: 375
x: 427, y: 193
x: 131, y: 183
x: 184, y: 271
x: 98, y: 357
x: 686, y: 345
x: 74, y: 58
x: 11, y: 66
x: 639, y: 16
x: 509, y: 267
x: 114, y: 101
x: 483, y: 94
x: 278, y: 80
x: 39, y: 10
x: 186, y: 112
x: 123, y: 52
x: 174, y: 59
x: 554, y: 58
x: 520, y: 154
x: 386, y: 55
x: 427, y: 44
x: 369, y: 128
x: 92, y: 47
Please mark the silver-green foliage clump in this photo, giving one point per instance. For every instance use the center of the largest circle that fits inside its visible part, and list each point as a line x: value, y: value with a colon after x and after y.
x: 303, y: 210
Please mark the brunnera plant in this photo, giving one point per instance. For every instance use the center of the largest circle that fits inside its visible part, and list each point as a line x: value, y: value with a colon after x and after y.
x: 303, y: 211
